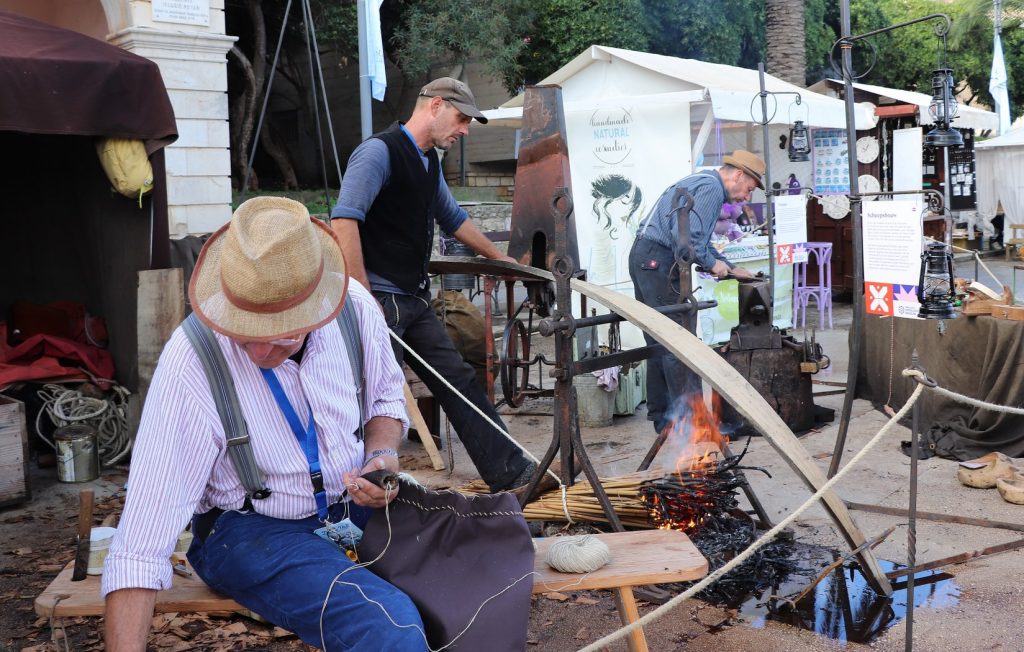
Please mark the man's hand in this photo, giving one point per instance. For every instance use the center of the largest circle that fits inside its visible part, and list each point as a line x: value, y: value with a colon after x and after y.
x: 720, y: 270
x: 507, y: 259
x: 364, y: 492
x: 739, y: 272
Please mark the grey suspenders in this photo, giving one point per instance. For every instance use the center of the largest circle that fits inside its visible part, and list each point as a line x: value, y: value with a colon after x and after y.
x: 226, y: 398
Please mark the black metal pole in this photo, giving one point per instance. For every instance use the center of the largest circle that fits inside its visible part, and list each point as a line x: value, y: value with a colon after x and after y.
x: 912, y: 513
x: 769, y: 214
x: 853, y: 366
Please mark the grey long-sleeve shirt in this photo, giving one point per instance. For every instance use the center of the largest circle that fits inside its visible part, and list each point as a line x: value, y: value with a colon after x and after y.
x: 709, y: 196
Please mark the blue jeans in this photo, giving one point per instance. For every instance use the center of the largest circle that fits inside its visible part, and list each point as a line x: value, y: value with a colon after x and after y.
x: 497, y: 460
x: 282, y: 571
x: 670, y: 383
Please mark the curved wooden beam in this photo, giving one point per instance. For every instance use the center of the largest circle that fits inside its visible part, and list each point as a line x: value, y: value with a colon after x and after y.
x: 696, y: 355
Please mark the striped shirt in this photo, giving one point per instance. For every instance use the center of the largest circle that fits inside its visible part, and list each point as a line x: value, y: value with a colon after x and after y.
x: 180, y: 463
x: 708, y: 198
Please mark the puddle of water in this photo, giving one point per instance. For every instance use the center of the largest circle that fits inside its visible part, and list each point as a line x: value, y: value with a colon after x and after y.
x: 842, y: 606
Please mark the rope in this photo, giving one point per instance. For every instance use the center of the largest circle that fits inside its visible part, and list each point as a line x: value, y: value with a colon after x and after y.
x: 977, y: 258
x: 765, y: 539
x: 109, y: 416
x: 504, y: 433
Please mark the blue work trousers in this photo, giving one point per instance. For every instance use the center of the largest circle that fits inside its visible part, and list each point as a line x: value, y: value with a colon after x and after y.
x: 282, y: 571
x: 670, y: 384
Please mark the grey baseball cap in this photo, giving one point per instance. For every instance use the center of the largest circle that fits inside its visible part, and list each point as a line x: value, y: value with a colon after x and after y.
x: 457, y: 93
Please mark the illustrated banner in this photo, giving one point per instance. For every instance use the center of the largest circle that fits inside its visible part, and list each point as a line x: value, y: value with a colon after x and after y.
x: 622, y: 156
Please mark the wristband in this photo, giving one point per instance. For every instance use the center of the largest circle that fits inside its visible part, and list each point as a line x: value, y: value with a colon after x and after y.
x: 380, y: 452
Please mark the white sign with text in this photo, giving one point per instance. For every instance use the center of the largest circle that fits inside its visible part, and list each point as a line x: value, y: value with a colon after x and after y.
x: 892, y: 257
x: 185, y: 12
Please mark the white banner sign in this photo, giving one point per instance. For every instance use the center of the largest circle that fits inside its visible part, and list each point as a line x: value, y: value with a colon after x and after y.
x: 622, y: 157
x: 187, y: 12
x: 892, y: 257
x: 790, y: 219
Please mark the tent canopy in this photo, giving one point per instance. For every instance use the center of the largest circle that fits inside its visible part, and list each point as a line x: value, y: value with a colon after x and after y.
x: 969, y: 116
x: 56, y: 81
x: 1009, y: 139
x: 602, y: 73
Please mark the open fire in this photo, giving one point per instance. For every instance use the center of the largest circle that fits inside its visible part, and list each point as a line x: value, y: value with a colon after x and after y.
x: 701, y: 488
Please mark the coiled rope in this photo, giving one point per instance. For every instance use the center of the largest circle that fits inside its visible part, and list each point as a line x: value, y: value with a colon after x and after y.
x: 109, y: 416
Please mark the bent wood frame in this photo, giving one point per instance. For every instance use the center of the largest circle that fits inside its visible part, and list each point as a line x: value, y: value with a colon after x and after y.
x: 711, y: 367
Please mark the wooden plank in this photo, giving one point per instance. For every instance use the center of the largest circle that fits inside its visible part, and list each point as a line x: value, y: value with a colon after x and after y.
x: 420, y: 424
x: 637, y: 558
x: 161, y: 307
x: 14, y: 476
x: 66, y: 598
x: 707, y: 364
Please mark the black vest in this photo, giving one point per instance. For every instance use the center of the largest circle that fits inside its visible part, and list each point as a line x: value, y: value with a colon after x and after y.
x: 398, y: 232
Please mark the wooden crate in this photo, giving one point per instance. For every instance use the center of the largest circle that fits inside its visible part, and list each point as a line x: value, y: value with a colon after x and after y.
x: 14, y: 487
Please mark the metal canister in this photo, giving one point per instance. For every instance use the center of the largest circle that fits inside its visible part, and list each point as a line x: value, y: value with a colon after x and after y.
x: 458, y: 281
x: 77, y: 453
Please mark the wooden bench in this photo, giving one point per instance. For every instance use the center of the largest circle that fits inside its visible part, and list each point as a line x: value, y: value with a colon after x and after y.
x: 637, y: 558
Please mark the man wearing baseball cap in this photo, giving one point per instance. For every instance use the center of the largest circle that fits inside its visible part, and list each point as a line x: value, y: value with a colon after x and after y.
x: 391, y: 196
x: 668, y: 229
x: 268, y: 286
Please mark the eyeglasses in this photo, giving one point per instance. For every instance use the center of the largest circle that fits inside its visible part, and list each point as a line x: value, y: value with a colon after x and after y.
x: 288, y: 341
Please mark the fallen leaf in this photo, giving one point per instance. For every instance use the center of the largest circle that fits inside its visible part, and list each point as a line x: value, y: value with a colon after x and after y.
x: 581, y: 634
x: 586, y: 600
x: 555, y: 595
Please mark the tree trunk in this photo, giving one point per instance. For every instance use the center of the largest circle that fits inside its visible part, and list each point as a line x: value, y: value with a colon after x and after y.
x: 280, y: 157
x: 784, y: 35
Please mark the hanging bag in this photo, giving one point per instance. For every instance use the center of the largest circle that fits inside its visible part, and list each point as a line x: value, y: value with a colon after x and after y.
x: 127, y: 166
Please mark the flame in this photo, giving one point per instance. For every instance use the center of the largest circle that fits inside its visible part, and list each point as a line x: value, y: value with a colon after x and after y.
x: 701, y: 443
x: 697, y: 435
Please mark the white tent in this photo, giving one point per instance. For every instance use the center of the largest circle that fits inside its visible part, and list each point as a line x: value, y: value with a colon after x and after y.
x: 727, y: 93
x: 1000, y: 176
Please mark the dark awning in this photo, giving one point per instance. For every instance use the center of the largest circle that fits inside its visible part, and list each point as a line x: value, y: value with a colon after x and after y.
x: 56, y: 81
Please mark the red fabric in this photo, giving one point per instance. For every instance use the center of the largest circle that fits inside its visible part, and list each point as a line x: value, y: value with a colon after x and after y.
x: 47, y: 357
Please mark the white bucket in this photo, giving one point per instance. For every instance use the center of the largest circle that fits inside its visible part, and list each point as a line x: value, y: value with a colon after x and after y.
x: 99, y: 542
x: 594, y: 403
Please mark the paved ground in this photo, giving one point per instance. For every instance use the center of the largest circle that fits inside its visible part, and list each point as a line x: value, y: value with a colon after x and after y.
x: 985, y: 615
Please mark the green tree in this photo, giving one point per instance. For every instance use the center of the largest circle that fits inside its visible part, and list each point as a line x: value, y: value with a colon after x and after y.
x: 561, y: 29
x: 718, y: 31
x: 454, y: 31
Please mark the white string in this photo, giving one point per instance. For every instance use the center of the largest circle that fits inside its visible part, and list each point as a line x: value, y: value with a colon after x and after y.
x: 561, y: 486
x: 765, y: 538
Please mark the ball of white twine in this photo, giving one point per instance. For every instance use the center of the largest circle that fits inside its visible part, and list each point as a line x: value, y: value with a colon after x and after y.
x: 578, y: 554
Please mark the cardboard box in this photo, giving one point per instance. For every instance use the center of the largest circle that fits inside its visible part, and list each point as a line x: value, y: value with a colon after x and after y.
x: 14, y: 486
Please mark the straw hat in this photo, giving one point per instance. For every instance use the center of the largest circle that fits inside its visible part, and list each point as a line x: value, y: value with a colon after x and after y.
x: 748, y: 162
x: 271, y: 272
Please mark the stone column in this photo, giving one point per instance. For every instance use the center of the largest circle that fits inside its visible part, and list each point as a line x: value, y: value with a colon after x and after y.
x: 193, y: 63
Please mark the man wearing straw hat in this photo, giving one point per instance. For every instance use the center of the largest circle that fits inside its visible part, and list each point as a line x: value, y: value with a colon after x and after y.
x: 269, y: 286
x: 668, y: 233
x: 392, y: 194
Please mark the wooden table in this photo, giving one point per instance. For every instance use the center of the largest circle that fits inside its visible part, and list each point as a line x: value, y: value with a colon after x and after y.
x: 637, y: 558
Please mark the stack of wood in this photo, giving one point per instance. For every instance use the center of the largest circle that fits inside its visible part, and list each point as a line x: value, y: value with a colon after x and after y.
x: 983, y: 300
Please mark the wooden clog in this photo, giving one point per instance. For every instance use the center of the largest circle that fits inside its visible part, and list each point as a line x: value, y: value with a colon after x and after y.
x: 984, y: 471
x: 1012, y: 488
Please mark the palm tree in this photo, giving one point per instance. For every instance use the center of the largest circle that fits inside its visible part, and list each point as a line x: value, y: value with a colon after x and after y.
x: 784, y: 37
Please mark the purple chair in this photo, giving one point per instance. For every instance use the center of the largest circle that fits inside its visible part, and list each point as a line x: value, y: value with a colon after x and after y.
x: 819, y: 253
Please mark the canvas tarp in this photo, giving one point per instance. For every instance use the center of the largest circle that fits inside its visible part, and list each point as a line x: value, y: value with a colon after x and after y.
x: 1000, y: 177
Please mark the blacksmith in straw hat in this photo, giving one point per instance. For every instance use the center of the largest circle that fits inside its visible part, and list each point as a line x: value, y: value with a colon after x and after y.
x: 392, y: 194
x: 269, y: 287
x: 666, y: 230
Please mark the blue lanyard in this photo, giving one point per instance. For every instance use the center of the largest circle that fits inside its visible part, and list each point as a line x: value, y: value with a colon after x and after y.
x: 306, y: 437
